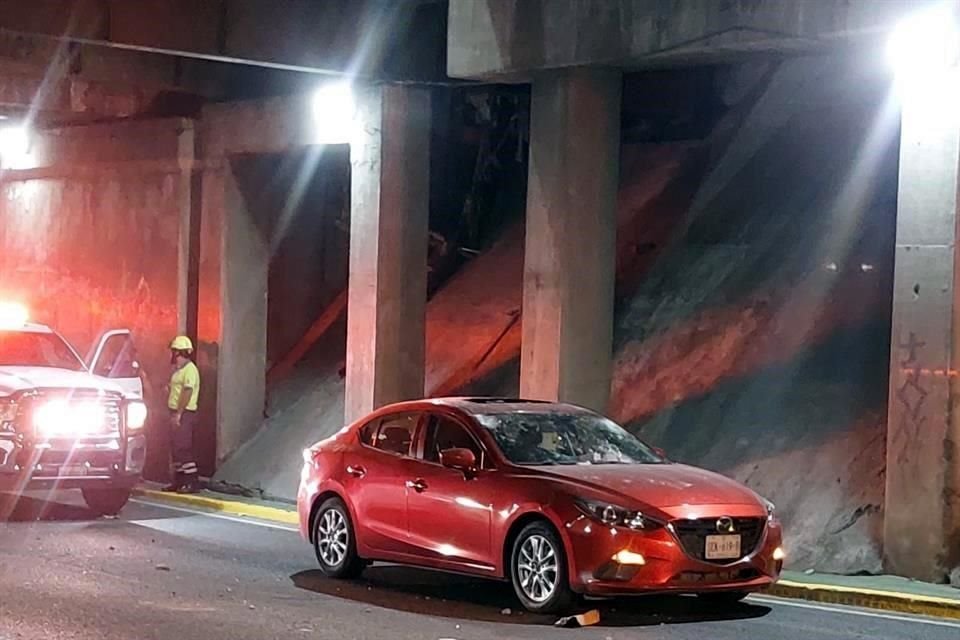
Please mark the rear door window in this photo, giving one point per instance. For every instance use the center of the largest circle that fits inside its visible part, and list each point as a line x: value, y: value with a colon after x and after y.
x: 393, y: 434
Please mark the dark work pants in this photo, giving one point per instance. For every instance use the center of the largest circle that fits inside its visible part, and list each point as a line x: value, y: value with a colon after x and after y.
x: 181, y: 444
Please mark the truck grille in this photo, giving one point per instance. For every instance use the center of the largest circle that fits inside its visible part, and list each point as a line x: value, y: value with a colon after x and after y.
x: 110, y: 404
x: 693, y: 536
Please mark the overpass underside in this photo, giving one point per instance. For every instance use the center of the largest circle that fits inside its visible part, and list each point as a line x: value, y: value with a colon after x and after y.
x: 573, y: 55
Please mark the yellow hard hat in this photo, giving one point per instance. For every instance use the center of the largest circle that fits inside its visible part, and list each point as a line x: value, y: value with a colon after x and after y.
x: 181, y: 343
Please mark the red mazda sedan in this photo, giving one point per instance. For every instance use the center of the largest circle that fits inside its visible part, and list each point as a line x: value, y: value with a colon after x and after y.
x: 556, y: 499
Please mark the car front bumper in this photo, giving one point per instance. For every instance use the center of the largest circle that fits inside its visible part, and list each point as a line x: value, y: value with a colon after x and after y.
x: 656, y: 562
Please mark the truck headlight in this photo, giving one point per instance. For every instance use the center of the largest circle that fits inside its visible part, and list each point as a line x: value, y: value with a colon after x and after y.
x: 136, y: 415
x: 59, y: 418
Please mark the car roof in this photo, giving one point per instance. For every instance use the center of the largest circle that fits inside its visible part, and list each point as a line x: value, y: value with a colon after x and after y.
x: 490, y: 405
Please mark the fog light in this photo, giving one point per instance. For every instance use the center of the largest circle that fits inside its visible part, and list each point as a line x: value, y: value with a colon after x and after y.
x: 625, y: 556
x: 779, y: 554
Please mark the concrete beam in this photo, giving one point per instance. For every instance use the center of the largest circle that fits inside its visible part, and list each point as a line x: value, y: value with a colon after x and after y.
x: 922, y: 510
x: 257, y: 126
x: 510, y: 39
x: 568, y: 278
x: 68, y: 98
x: 387, y: 290
x: 359, y: 36
x: 51, y: 57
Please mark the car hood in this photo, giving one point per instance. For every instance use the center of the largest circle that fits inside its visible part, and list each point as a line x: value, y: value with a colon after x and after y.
x: 662, y: 486
x: 15, y: 379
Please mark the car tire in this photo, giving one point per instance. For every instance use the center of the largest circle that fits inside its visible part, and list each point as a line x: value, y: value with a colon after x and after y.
x: 106, y: 502
x: 723, y: 598
x: 544, y: 586
x: 334, y: 541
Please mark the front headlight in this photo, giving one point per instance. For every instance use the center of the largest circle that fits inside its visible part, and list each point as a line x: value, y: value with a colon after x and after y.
x: 136, y: 415
x: 63, y: 419
x: 615, y: 516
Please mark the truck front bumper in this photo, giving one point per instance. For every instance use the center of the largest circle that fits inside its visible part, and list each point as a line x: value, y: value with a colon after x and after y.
x: 71, y: 464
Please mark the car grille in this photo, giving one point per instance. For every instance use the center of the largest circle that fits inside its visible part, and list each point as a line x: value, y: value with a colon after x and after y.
x: 693, y: 536
x: 111, y: 404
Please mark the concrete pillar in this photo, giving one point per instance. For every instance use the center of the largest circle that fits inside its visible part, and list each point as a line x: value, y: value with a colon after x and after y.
x: 390, y: 188
x: 242, y: 358
x: 209, y: 315
x: 188, y: 242
x: 922, y: 510
x: 569, y: 264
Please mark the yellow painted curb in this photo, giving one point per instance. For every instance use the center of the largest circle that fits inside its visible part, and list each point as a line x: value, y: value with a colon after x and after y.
x: 236, y: 508
x: 868, y: 598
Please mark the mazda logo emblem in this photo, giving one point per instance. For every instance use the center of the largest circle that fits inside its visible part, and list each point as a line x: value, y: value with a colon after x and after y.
x: 725, y: 525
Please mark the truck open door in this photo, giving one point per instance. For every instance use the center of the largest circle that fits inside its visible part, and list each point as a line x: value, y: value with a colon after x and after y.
x: 115, y: 357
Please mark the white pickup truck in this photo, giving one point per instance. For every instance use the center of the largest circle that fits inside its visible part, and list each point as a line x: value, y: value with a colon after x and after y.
x: 66, y: 423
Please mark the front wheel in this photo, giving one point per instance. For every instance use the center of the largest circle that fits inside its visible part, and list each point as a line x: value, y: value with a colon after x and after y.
x: 334, y: 541
x: 538, y: 570
x: 106, y: 502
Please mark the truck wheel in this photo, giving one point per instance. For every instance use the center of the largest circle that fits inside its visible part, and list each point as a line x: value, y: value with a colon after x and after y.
x: 106, y: 502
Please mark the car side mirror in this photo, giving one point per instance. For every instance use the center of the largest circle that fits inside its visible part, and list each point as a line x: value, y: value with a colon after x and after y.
x: 460, y: 459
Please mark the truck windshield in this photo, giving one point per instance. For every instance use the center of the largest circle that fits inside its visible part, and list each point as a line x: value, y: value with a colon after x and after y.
x: 28, y: 349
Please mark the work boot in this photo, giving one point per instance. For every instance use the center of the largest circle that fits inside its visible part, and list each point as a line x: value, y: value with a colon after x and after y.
x: 177, y: 483
x: 189, y: 486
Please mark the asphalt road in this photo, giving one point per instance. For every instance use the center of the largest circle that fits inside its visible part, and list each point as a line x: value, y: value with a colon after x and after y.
x: 175, y: 574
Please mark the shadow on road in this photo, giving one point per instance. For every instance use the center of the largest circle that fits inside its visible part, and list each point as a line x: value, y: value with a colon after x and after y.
x: 451, y: 596
x: 30, y: 509
x: 66, y: 506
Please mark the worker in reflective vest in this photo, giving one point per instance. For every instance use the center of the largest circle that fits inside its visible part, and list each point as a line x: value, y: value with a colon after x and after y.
x: 182, y: 402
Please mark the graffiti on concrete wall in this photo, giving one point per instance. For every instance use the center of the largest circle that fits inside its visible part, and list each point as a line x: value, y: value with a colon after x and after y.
x: 911, y: 394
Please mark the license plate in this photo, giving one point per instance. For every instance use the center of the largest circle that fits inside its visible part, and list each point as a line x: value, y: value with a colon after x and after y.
x: 723, y: 547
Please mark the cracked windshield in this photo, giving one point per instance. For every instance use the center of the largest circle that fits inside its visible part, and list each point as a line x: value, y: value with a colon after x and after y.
x: 551, y: 438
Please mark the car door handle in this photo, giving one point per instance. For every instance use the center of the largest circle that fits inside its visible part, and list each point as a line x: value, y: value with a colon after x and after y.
x: 417, y: 485
x: 356, y: 472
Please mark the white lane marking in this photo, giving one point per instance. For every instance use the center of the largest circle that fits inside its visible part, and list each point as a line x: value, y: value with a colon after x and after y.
x: 850, y: 611
x: 218, y: 516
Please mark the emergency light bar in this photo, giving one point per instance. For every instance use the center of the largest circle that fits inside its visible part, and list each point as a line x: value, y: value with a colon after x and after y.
x: 13, y: 314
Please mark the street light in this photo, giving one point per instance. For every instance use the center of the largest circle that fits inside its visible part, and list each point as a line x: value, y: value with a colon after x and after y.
x: 924, y: 45
x: 334, y: 112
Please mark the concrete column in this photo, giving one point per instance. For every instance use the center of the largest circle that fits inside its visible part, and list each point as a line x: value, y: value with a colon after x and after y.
x: 569, y: 264
x: 390, y: 189
x: 242, y: 361
x: 922, y: 510
x: 209, y: 315
x: 188, y: 244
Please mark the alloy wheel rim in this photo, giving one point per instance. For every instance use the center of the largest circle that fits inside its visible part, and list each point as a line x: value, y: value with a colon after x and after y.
x: 332, y: 537
x: 538, y: 570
